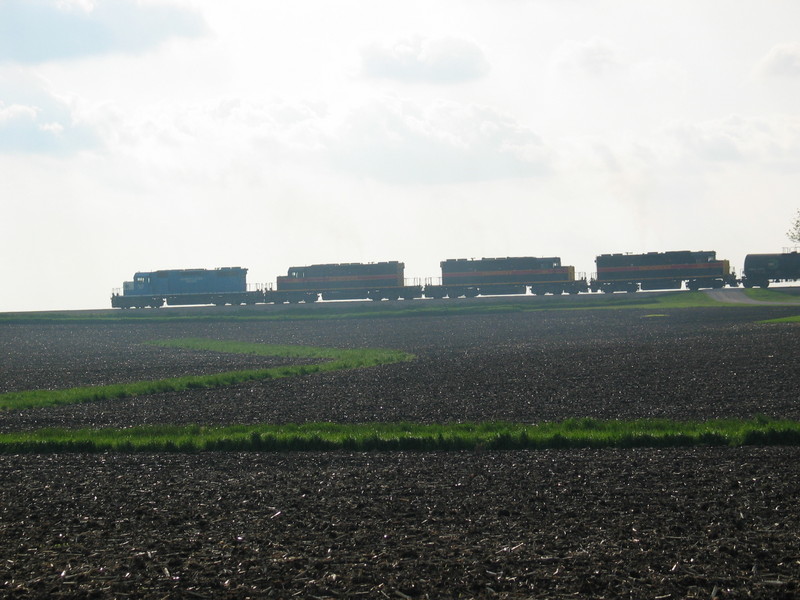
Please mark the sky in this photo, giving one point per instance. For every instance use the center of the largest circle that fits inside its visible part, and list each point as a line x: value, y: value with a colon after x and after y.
x: 138, y: 135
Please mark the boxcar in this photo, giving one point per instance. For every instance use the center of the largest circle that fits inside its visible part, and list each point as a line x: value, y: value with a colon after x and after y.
x: 661, y: 271
x: 344, y: 281
x: 225, y: 285
x: 762, y: 269
x: 510, y: 275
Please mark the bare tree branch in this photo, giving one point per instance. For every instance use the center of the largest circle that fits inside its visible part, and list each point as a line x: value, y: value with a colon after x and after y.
x: 794, y: 233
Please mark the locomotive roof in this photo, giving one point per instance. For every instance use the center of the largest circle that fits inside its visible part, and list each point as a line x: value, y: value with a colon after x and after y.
x: 353, y: 264
x: 656, y: 258
x: 773, y: 254
x: 180, y: 272
x: 548, y: 258
x: 162, y: 272
x: 668, y: 252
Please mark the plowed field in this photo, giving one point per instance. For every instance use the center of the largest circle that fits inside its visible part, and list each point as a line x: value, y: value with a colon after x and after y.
x: 677, y: 523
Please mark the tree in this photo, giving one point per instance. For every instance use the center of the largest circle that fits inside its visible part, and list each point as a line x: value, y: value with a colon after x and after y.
x: 794, y: 232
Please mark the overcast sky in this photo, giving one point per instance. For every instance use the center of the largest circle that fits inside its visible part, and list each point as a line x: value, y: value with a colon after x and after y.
x: 144, y: 135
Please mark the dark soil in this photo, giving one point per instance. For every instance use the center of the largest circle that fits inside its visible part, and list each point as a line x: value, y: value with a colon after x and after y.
x: 677, y: 523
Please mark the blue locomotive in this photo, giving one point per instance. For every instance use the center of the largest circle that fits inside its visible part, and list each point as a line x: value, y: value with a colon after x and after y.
x: 176, y: 287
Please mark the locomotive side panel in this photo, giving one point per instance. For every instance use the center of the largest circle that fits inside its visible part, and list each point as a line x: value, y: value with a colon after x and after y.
x: 348, y: 276
x: 203, y: 281
x: 342, y: 281
x: 224, y: 285
x: 661, y: 270
x: 509, y: 275
x: 486, y: 271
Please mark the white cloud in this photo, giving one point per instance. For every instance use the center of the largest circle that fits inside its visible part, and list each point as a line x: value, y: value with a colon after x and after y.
x: 592, y: 57
x: 419, y: 59
x: 782, y: 61
x: 404, y: 142
x: 16, y: 112
x: 33, y: 31
x: 34, y: 121
x: 387, y: 139
x: 773, y: 142
x: 215, y: 136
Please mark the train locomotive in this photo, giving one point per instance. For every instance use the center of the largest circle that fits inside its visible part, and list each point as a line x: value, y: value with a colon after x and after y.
x: 181, y: 287
x: 762, y: 269
x: 462, y: 277
x: 344, y: 281
x: 661, y: 271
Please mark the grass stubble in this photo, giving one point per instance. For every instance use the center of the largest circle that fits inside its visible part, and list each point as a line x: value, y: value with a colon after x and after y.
x: 362, y: 437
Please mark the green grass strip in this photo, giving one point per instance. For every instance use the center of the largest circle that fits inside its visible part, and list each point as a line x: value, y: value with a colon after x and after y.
x: 763, y: 295
x: 335, y: 360
x: 795, y: 319
x: 572, y: 433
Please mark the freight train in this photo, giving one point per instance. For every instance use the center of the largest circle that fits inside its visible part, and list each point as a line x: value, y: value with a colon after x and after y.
x: 459, y: 278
